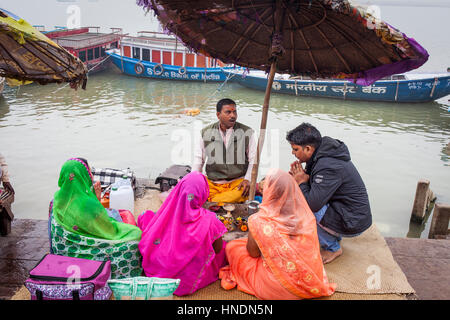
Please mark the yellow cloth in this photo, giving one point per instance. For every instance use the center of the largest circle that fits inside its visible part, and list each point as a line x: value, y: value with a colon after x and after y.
x: 226, y: 192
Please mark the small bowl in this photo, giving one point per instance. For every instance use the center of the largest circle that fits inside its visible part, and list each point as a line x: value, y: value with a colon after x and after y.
x: 229, y: 207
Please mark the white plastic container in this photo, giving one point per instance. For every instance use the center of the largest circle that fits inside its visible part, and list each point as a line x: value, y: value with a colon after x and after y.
x: 122, y: 198
x: 124, y: 181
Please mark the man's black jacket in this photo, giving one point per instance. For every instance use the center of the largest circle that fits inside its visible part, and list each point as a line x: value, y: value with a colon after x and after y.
x: 335, y: 180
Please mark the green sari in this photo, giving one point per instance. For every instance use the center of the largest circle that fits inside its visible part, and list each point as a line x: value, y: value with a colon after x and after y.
x: 81, y: 227
x: 77, y: 209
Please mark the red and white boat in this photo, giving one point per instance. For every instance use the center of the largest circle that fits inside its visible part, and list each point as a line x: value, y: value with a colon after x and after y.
x: 88, y: 45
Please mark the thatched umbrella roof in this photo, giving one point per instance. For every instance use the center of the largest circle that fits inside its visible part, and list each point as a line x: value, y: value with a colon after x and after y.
x: 28, y: 55
x: 317, y: 38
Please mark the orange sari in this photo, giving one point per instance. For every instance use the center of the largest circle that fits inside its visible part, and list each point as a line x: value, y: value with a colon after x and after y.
x: 290, y: 266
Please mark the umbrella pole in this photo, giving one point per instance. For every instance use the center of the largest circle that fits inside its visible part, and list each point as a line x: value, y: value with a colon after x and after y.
x: 262, y: 131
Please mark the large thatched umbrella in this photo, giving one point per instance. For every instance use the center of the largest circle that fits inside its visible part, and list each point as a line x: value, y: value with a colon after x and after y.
x: 28, y: 55
x: 318, y: 38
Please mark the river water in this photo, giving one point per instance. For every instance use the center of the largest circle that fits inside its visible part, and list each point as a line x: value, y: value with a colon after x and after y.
x: 122, y: 121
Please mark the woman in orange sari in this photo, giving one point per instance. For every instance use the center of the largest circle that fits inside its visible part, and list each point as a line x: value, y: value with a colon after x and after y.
x: 281, y: 259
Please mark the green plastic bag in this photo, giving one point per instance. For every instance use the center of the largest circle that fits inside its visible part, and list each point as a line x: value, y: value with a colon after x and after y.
x: 143, y: 288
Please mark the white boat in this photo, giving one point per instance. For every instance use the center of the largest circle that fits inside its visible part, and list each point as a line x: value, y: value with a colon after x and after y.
x: 156, y: 55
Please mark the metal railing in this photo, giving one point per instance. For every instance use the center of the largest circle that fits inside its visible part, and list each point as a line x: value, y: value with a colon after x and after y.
x: 154, y: 41
x: 102, y: 38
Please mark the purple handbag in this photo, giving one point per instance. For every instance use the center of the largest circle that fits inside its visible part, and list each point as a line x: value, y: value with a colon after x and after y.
x: 66, y: 278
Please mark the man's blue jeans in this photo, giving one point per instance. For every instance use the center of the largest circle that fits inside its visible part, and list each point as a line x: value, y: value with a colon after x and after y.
x: 328, y: 241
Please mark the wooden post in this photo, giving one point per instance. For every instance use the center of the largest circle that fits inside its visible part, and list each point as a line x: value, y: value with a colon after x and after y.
x: 415, y: 229
x: 439, y: 223
x: 262, y: 132
x: 279, y: 20
x: 422, y: 200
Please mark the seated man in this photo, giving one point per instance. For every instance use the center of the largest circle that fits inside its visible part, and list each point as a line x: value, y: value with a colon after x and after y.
x: 229, y: 149
x: 332, y: 186
x: 4, y: 176
x: 6, y: 198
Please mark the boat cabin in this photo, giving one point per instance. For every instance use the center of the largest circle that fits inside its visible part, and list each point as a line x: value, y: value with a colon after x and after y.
x: 89, y: 46
x: 160, y: 49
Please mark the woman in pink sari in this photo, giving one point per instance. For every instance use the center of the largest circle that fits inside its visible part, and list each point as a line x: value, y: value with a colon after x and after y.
x: 182, y: 240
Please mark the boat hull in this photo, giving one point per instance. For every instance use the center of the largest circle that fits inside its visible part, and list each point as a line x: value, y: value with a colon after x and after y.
x: 99, y: 65
x: 153, y: 70
x: 420, y: 90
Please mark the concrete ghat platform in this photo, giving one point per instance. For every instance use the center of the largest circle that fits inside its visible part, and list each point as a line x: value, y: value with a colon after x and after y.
x: 20, y: 251
x: 426, y: 263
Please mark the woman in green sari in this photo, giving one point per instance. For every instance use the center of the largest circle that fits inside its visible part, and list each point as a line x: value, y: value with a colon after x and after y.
x: 82, y: 228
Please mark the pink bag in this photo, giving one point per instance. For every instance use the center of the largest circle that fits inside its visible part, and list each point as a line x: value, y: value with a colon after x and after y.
x: 127, y: 217
x: 66, y: 278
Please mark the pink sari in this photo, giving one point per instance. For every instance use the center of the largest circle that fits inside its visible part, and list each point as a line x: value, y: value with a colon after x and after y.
x: 177, y: 240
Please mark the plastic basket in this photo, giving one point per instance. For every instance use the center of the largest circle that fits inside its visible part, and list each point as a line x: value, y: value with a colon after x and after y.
x: 143, y: 288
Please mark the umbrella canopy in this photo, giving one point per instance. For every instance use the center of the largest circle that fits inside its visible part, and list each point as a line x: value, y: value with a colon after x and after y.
x: 316, y: 38
x: 27, y: 55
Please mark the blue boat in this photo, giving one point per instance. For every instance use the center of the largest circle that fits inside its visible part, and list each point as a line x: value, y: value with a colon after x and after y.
x: 161, y: 57
x: 398, y: 88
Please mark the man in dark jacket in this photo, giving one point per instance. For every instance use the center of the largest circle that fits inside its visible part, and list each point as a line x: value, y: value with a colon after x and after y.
x: 332, y: 186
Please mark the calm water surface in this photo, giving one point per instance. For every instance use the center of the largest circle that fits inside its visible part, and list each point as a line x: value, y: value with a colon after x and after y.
x: 122, y: 121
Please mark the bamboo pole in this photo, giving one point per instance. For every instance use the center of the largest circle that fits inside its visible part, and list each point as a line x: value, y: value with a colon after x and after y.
x: 278, y: 26
x: 262, y: 132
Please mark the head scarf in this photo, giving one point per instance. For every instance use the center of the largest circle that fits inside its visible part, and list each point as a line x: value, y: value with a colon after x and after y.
x: 78, y: 210
x: 286, y: 233
x: 177, y: 239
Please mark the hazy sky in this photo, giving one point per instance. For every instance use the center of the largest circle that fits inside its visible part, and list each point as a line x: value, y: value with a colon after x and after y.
x: 126, y: 14
x: 409, y: 3
x: 105, y: 13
